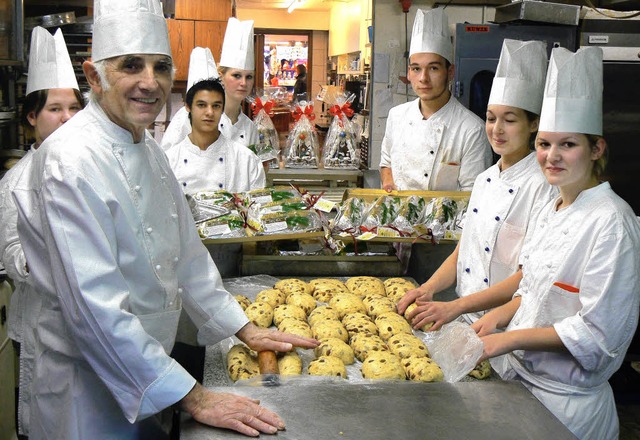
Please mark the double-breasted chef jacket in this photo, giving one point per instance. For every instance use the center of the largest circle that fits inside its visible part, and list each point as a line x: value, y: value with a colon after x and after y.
x: 224, y: 165
x: 581, y: 275
x: 244, y: 131
x: 445, y: 152
x: 114, y: 253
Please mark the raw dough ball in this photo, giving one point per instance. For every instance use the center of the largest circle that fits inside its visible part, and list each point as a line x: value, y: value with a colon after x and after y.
x: 482, y: 370
x: 335, y: 347
x: 242, y: 363
x: 326, y: 288
x: 290, y: 285
x: 295, y: 327
x: 242, y: 300
x: 288, y: 311
x: 377, y: 305
x: 345, y: 303
x: 303, y: 300
x: 390, y: 324
x: 359, y: 323
x: 405, y: 345
x: 364, y: 344
x: 327, y: 366
x: 261, y: 314
x: 362, y: 286
x: 273, y: 297
x: 383, y: 365
x: 330, y: 329
x: 410, y: 307
x: 422, y: 369
x: 322, y: 313
x: 290, y: 364
x: 397, y: 287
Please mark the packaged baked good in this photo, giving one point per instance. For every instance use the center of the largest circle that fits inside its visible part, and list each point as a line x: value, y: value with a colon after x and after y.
x: 302, y: 147
x: 351, y: 213
x: 268, y: 145
x: 382, y: 212
x: 340, y: 147
x: 227, y: 226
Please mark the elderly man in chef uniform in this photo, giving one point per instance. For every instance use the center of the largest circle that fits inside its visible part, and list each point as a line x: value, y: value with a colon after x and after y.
x: 206, y: 160
x: 433, y: 142
x: 112, y: 248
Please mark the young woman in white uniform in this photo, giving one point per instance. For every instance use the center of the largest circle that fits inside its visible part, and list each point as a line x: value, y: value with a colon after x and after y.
x: 237, y: 72
x: 574, y: 314
x: 52, y: 99
x: 506, y: 198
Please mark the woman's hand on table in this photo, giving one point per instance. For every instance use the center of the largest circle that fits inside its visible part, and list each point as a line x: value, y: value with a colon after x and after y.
x: 262, y: 339
x: 486, y: 325
x: 230, y: 411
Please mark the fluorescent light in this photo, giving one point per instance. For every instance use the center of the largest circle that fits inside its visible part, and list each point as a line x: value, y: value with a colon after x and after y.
x: 294, y: 4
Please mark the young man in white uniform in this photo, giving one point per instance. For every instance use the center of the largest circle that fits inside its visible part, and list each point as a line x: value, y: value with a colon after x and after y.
x: 432, y: 143
x: 205, y: 159
x: 112, y: 248
x: 202, y: 65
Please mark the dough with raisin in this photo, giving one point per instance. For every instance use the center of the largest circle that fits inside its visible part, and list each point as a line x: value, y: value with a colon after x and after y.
x: 422, y: 369
x: 302, y: 300
x: 359, y: 323
x: 390, y: 324
x: 290, y: 285
x: 295, y: 327
x: 327, y: 366
x: 364, y: 344
x: 322, y: 313
x: 290, y: 364
x: 364, y: 285
x: 410, y: 307
x: 482, y: 370
x: 405, y: 345
x: 261, y: 314
x: 273, y: 297
x: 330, y: 329
x: 242, y: 300
x: 335, y: 347
x: 345, y: 303
x: 242, y: 363
x: 383, y: 365
x: 288, y: 311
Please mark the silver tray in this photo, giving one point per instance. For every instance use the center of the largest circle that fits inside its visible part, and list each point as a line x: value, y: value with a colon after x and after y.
x: 204, y: 212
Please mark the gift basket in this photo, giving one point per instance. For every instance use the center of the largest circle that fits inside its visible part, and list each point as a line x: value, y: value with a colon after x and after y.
x: 268, y: 145
x: 301, y: 150
x: 340, y: 147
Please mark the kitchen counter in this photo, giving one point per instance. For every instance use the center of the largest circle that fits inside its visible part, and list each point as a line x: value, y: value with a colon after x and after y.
x: 398, y: 410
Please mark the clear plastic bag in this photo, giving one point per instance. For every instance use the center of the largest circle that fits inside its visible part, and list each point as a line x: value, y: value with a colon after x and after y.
x: 268, y: 145
x: 456, y: 348
x: 301, y: 150
x: 341, y: 145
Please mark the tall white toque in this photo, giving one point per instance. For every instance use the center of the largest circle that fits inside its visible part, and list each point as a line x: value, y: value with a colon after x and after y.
x: 573, y: 92
x: 49, y: 63
x: 201, y: 66
x: 431, y: 34
x: 520, y: 76
x: 125, y: 27
x: 237, y: 47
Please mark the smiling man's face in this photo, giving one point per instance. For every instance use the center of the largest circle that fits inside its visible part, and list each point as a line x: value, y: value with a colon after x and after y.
x: 138, y: 86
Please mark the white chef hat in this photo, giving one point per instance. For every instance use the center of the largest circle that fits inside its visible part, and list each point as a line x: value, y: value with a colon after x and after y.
x: 124, y: 27
x: 573, y: 92
x: 49, y: 63
x: 519, y: 80
x: 431, y: 34
x: 237, y: 47
x: 201, y: 66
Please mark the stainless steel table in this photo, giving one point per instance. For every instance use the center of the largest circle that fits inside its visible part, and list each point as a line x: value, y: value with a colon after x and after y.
x: 399, y: 410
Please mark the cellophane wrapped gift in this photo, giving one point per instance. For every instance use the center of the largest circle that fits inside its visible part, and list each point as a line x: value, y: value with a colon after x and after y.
x: 301, y: 150
x: 227, y: 226
x: 382, y: 212
x: 351, y: 213
x: 340, y: 147
x: 268, y: 146
x: 440, y: 215
x: 283, y: 222
x: 410, y: 214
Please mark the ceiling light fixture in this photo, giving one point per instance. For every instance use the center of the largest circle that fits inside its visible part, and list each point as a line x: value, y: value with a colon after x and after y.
x: 294, y: 4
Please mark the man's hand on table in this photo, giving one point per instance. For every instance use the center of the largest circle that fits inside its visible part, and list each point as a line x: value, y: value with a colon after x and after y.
x: 230, y: 411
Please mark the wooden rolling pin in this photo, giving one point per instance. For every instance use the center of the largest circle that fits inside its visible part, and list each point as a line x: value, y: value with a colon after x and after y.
x: 268, y: 365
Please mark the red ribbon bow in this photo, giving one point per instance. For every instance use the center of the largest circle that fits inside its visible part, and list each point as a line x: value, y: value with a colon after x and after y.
x: 259, y: 105
x: 308, y: 112
x: 338, y: 111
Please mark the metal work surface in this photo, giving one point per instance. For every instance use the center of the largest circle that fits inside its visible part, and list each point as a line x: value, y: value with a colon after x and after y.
x: 398, y: 410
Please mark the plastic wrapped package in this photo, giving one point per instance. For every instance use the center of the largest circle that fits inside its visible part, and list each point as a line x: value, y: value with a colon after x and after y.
x: 340, y: 147
x: 268, y: 146
x: 440, y: 214
x: 215, y: 198
x: 382, y: 212
x: 351, y: 213
x: 410, y: 214
x: 268, y: 195
x: 301, y: 150
x: 227, y: 226
x: 284, y: 222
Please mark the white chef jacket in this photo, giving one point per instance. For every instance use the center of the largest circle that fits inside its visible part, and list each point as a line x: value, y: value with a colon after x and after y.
x: 443, y: 153
x: 223, y: 165
x: 502, y: 206
x: 25, y: 304
x: 244, y: 131
x: 594, y: 246
x: 112, y: 248
x: 177, y: 130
